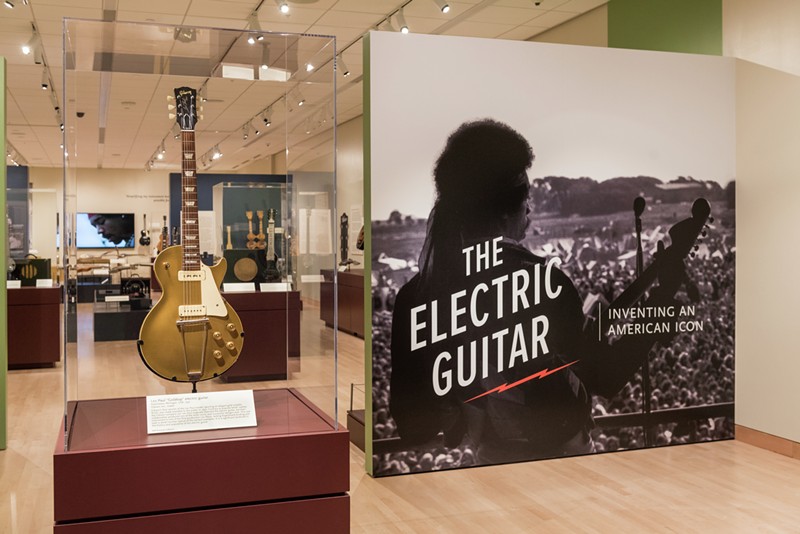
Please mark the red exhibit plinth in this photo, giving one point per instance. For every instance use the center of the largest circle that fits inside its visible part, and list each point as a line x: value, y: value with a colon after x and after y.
x: 34, y: 331
x: 290, y: 473
x: 271, y: 325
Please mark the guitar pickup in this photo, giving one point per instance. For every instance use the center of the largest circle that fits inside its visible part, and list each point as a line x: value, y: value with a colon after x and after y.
x: 191, y: 276
x: 191, y: 310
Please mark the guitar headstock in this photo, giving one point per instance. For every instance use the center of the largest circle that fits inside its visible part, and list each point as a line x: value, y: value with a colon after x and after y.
x: 685, y: 233
x: 683, y: 236
x: 271, y: 214
x: 185, y: 107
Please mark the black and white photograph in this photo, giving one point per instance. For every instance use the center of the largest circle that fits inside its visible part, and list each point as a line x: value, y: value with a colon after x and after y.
x: 551, y: 275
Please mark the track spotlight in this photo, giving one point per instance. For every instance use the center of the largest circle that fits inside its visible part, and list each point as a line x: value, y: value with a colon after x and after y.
x: 254, y: 26
x: 265, y: 56
x: 29, y: 47
x: 45, y: 80
x: 215, y: 153
x: 443, y: 6
x: 185, y: 35
x: 268, y: 117
x: 343, y: 67
x: 283, y: 6
x: 255, y: 129
x: 401, y: 20
x: 309, y: 67
x: 9, y: 4
x: 300, y: 99
x: 245, y: 131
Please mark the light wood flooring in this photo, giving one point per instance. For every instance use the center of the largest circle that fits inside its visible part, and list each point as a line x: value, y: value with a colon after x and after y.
x: 717, y: 487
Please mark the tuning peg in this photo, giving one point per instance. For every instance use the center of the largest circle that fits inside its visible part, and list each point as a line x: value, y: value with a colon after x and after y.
x: 170, y: 98
x: 170, y: 106
x: 703, y: 233
x: 200, y: 117
x: 200, y: 109
x: 697, y: 247
x: 711, y: 220
x: 171, y: 115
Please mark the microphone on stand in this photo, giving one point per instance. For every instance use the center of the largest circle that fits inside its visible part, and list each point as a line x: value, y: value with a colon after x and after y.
x: 638, y: 208
x: 649, y: 435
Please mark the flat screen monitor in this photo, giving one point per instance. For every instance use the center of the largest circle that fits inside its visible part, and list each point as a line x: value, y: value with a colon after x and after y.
x: 105, y: 230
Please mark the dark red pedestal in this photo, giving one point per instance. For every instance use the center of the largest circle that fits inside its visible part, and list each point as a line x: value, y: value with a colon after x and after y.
x: 351, y: 301
x: 34, y: 335
x: 289, y: 473
x: 271, y: 324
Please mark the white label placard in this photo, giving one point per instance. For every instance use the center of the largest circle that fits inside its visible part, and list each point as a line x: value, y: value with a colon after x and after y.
x: 238, y: 287
x: 118, y: 298
x: 13, y: 284
x: 311, y: 278
x: 200, y: 411
x: 44, y: 282
x: 274, y: 286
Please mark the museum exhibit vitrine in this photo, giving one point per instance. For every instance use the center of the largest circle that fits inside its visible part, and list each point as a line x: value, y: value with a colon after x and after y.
x: 220, y: 101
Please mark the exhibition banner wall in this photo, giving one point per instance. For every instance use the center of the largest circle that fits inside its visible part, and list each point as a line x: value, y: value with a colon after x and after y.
x: 4, y: 245
x: 552, y: 250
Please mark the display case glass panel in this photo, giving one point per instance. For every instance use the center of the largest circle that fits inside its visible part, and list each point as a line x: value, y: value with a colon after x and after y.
x: 246, y: 103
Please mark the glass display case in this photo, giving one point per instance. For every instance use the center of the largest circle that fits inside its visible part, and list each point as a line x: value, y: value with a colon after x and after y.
x: 242, y: 103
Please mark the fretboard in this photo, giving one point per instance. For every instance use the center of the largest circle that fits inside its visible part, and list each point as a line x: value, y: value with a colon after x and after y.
x: 190, y: 237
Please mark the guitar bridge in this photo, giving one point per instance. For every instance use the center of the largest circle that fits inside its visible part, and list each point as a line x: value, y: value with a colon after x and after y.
x: 198, y: 330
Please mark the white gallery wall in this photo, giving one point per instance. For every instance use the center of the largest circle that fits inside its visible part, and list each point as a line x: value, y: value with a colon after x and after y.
x: 586, y: 111
x: 768, y: 197
x: 768, y: 216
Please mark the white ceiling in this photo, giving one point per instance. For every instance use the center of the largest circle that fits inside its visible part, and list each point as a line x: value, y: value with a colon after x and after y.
x: 132, y: 121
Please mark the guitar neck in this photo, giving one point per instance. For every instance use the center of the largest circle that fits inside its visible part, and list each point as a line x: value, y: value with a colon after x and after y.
x: 189, y: 223
x: 270, y: 240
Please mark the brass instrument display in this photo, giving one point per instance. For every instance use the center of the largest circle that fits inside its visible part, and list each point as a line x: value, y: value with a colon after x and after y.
x: 260, y: 243
x: 251, y: 237
x: 192, y: 333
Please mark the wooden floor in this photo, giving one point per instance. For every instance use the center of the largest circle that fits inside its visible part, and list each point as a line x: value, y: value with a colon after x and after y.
x: 716, y: 487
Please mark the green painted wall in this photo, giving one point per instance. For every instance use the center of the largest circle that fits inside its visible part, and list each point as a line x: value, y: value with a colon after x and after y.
x: 693, y: 26
x: 367, y: 262
x: 4, y: 254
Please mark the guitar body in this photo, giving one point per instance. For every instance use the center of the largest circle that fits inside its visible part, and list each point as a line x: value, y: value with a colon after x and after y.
x: 209, y: 344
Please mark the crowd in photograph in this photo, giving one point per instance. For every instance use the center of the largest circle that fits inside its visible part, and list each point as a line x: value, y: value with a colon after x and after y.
x: 691, y: 369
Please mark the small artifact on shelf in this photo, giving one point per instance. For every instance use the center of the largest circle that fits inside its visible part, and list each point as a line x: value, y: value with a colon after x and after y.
x: 260, y: 243
x: 271, y: 273
x: 251, y: 237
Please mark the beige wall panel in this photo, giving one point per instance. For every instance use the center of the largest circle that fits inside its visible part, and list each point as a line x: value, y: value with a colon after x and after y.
x: 768, y: 195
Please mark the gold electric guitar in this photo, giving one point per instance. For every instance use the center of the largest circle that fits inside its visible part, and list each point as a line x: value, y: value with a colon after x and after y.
x: 192, y: 333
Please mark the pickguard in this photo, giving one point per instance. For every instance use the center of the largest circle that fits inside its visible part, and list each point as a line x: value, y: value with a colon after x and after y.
x: 209, y: 294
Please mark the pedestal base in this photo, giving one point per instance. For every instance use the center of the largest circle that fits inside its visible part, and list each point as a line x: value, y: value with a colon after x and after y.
x: 291, y: 470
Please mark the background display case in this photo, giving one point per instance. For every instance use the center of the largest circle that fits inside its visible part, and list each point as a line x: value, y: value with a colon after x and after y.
x: 291, y: 468
x: 243, y: 214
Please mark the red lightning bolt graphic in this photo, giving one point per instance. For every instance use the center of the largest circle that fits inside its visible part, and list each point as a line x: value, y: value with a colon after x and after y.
x: 540, y: 374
